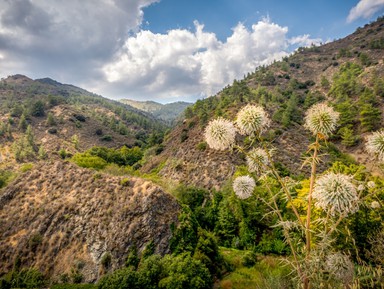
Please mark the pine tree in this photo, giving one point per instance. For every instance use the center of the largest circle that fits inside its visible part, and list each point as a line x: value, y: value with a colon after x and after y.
x: 370, y: 117
x: 23, y: 123
x: 348, y: 137
x: 50, y: 119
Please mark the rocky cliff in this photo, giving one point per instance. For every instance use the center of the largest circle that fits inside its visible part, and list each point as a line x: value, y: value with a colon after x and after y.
x: 58, y: 217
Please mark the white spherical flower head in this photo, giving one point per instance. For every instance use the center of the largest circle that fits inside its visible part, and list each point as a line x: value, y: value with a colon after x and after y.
x: 321, y: 119
x: 375, y: 144
x: 220, y: 134
x: 361, y: 188
x: 257, y: 159
x: 371, y: 184
x: 252, y: 120
x: 375, y: 205
x: 337, y: 193
x: 244, y: 186
x: 340, y: 266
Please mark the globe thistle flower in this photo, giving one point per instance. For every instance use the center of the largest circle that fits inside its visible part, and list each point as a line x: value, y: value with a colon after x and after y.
x: 361, y: 187
x: 244, y: 186
x: 252, y: 120
x: 375, y: 145
x: 220, y: 134
x: 257, y: 158
x: 371, y: 184
x: 340, y: 267
x: 335, y: 192
x: 375, y: 205
x: 321, y: 119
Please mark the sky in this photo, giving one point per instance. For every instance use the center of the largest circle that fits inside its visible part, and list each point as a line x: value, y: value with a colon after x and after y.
x: 165, y: 50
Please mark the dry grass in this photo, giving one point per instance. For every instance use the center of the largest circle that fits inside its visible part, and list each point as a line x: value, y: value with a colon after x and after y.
x: 80, y: 217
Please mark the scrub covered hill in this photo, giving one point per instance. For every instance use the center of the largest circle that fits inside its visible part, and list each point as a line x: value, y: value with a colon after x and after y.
x: 349, y: 73
x: 59, y: 113
x: 169, y: 112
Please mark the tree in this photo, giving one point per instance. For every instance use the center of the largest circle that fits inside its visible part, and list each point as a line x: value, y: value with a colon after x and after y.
x: 38, y: 108
x: 348, y: 136
x: 75, y: 141
x: 50, y: 119
x: 42, y: 153
x: 23, y: 123
x: 370, y: 117
x: 30, y: 136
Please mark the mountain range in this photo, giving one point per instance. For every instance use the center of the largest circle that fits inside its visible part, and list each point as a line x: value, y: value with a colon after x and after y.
x: 83, y: 177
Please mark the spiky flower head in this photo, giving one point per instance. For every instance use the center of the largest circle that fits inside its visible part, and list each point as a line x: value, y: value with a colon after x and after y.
x: 337, y: 193
x: 321, y: 119
x: 375, y: 205
x: 361, y: 187
x: 244, y: 186
x: 252, y: 120
x: 375, y: 145
x: 257, y: 159
x: 220, y: 134
x: 340, y: 267
x: 371, y: 184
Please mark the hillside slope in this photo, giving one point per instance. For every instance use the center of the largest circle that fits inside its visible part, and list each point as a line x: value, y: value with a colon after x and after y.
x: 348, y: 73
x: 169, y: 112
x: 62, y: 114
x: 58, y: 217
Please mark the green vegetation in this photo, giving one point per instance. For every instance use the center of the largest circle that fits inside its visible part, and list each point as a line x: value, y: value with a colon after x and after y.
x: 99, y: 157
x: 6, y: 176
x: 24, y: 148
x: 265, y: 272
x: 254, y: 234
x: 29, y: 278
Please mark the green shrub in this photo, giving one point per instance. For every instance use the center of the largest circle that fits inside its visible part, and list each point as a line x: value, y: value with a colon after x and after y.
x: 26, y: 167
x: 132, y: 258
x: 184, y: 135
x: 106, y: 138
x: 86, y: 160
x: 249, y: 259
x: 106, y: 260
x: 5, y: 178
x: 124, y: 182
x: 149, y: 250
x: 27, y: 278
x: 73, y: 286
x: 120, y: 279
x: 202, y: 146
x: 122, y: 157
x: 50, y: 119
x: 183, y: 271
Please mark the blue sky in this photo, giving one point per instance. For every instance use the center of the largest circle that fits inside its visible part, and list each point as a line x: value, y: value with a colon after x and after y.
x: 319, y: 18
x: 164, y: 50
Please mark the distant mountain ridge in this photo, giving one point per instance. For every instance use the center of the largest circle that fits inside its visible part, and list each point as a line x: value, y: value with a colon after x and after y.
x: 168, y: 112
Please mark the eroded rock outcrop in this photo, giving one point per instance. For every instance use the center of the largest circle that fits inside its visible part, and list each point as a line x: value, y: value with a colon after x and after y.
x: 58, y: 216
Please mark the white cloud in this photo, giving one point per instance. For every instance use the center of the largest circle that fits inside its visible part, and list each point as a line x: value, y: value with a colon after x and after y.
x: 365, y: 9
x: 101, y: 47
x: 186, y: 63
x: 69, y: 36
x: 305, y: 40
